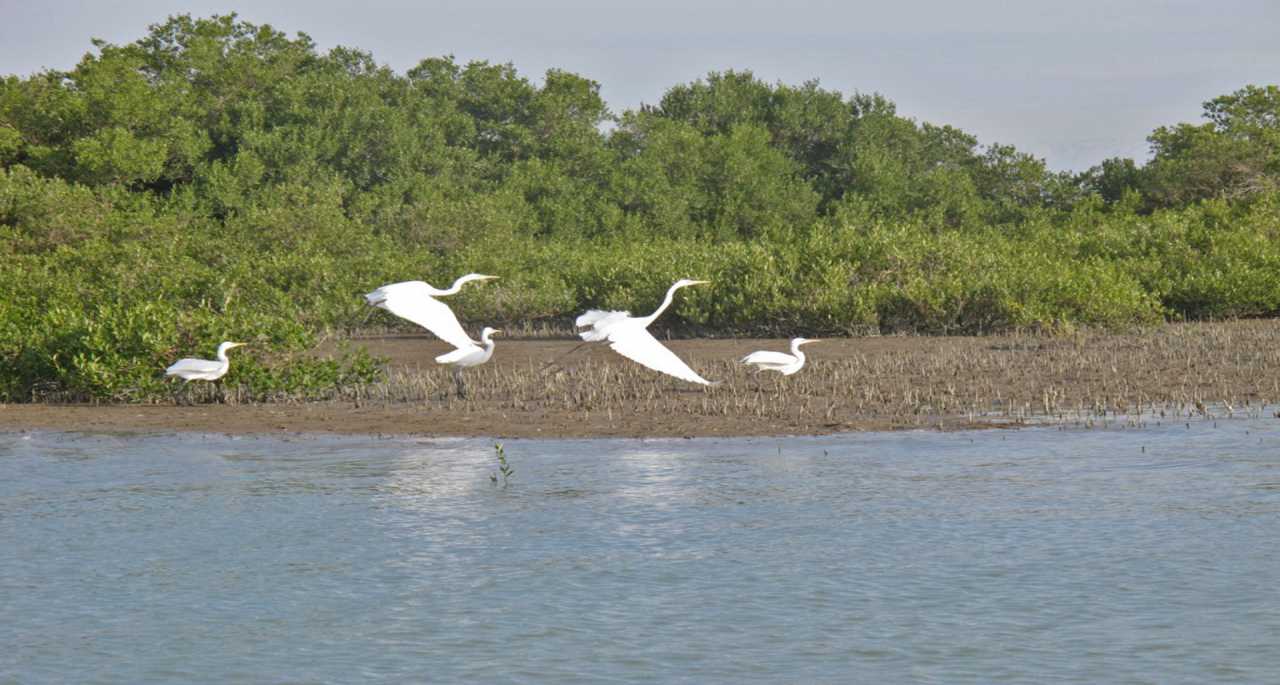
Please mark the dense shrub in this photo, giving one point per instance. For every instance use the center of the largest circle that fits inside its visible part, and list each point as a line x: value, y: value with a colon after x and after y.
x: 220, y: 180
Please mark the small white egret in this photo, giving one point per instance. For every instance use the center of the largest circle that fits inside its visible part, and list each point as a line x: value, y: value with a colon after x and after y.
x: 469, y: 355
x: 784, y: 363
x: 203, y: 369
x: 192, y: 369
x: 415, y: 301
x: 629, y: 337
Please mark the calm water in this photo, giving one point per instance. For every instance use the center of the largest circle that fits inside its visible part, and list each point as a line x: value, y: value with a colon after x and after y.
x: 1000, y: 556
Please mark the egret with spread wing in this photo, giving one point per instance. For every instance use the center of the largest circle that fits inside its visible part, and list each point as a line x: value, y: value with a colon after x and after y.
x: 469, y: 355
x: 415, y: 301
x: 784, y: 363
x: 629, y: 337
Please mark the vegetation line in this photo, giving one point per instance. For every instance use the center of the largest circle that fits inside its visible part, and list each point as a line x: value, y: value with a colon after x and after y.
x: 219, y: 180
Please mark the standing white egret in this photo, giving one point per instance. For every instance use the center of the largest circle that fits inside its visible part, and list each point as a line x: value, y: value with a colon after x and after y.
x: 629, y: 337
x: 415, y: 301
x: 784, y: 363
x: 469, y: 355
x: 191, y: 369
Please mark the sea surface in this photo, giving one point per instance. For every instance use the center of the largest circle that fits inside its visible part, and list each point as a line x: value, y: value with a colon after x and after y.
x: 1117, y: 555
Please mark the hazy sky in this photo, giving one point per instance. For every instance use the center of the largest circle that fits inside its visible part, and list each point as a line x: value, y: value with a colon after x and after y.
x: 1073, y: 81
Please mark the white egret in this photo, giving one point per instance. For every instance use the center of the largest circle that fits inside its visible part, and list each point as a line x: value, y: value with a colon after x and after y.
x: 629, y: 337
x: 192, y: 369
x: 784, y: 363
x: 415, y: 301
x: 203, y: 369
x: 469, y: 355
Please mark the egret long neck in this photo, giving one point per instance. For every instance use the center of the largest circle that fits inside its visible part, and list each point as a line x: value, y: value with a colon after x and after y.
x: 457, y: 285
x: 666, y: 302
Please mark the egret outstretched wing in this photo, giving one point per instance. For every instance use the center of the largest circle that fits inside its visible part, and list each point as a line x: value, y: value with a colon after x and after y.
x: 598, y: 323
x: 459, y: 354
x: 767, y: 357
x: 627, y: 336
x: 411, y: 300
x: 638, y: 345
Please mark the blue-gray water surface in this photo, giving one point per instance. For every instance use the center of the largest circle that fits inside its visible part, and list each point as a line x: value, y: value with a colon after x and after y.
x: 1029, y: 556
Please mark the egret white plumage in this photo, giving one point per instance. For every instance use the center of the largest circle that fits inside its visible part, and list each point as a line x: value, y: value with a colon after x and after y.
x: 191, y: 369
x: 415, y: 301
x: 629, y: 337
x: 472, y: 354
x: 784, y: 363
x: 469, y: 355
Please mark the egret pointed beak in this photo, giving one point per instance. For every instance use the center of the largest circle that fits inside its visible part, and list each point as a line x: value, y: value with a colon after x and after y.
x: 488, y: 278
x: 811, y: 340
x: 496, y: 332
x: 699, y: 282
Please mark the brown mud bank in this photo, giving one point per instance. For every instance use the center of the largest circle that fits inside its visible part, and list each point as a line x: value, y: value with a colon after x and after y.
x: 543, y: 388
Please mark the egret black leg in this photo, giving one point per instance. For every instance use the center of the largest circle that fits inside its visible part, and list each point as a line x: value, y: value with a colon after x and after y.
x: 459, y: 387
x: 554, y: 363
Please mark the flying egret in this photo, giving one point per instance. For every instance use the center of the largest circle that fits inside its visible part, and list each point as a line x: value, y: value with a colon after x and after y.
x: 192, y: 369
x: 629, y: 337
x: 469, y: 355
x: 784, y: 363
x: 415, y: 301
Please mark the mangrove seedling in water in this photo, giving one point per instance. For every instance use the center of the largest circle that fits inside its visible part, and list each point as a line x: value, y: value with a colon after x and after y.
x: 503, y: 467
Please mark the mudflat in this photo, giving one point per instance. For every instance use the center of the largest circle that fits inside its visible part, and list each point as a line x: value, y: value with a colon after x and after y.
x: 555, y: 388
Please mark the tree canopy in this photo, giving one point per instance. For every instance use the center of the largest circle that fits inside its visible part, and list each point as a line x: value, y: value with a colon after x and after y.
x: 218, y: 176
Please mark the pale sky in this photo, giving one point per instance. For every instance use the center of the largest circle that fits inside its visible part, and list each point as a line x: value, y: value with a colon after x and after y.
x: 1072, y: 81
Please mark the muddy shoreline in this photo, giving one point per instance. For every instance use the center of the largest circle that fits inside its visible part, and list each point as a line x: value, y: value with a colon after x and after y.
x: 851, y: 384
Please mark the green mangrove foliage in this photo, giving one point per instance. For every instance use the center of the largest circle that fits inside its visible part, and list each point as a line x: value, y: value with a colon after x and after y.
x: 221, y: 180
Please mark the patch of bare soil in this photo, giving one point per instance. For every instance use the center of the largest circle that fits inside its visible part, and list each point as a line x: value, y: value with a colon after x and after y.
x: 551, y: 388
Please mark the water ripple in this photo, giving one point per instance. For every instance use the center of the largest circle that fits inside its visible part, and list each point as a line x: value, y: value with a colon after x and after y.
x: 1012, y: 556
